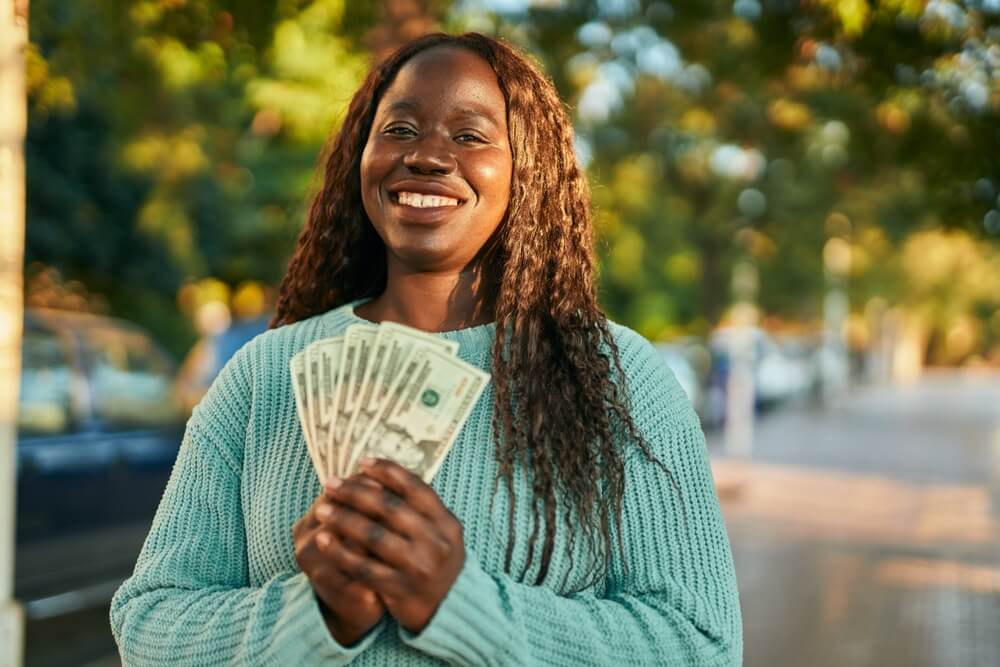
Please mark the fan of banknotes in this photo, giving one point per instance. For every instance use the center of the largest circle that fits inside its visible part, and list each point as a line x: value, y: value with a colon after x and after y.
x: 384, y: 391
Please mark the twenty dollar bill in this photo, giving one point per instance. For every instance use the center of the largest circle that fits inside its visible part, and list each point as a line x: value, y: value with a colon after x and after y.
x: 423, y: 413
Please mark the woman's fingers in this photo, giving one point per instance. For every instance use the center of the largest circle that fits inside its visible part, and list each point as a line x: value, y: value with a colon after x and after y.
x: 387, y: 529
x: 377, y: 502
x: 406, y: 485
x: 332, y: 577
x: 340, y: 593
x: 350, y: 606
x: 373, y: 537
x: 362, y: 569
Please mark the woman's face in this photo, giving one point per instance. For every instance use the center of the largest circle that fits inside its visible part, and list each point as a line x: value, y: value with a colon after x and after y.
x: 436, y: 171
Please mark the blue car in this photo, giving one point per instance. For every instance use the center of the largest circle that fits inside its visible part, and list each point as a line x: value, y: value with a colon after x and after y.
x: 98, y: 432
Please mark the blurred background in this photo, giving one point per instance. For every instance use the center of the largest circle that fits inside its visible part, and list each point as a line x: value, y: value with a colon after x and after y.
x: 798, y: 202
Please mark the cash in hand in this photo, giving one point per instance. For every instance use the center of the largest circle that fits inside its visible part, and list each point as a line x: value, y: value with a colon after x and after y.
x: 382, y: 391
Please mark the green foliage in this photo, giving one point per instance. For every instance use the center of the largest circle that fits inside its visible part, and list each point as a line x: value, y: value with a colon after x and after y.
x: 175, y: 139
x: 171, y: 140
x: 719, y: 130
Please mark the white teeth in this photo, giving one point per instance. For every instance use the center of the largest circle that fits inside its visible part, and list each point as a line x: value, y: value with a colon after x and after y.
x: 425, y: 201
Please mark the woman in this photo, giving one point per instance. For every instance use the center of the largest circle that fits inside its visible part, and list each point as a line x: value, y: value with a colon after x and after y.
x: 574, y: 520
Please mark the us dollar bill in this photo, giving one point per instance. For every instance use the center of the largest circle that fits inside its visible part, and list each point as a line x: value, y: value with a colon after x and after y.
x: 328, y: 353
x: 299, y: 389
x: 392, y: 346
x: 358, y: 339
x: 312, y: 392
x: 425, y: 409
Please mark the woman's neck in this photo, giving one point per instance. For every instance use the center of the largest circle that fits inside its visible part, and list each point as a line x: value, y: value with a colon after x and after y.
x: 432, y: 301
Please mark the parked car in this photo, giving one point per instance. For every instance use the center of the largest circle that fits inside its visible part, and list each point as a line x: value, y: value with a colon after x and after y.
x: 808, y: 355
x: 98, y: 433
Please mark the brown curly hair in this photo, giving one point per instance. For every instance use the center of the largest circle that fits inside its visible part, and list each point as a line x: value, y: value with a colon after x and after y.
x: 558, y: 410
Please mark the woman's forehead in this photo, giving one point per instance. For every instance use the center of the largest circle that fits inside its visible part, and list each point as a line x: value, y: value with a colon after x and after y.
x: 455, y: 77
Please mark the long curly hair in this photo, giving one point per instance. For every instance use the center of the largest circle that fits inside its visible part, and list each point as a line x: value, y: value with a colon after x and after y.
x: 558, y: 411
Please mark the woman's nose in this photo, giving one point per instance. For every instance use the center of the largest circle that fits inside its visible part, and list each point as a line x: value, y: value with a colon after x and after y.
x: 429, y: 155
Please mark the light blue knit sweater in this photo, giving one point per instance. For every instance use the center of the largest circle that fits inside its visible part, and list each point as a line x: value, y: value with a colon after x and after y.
x: 217, y: 583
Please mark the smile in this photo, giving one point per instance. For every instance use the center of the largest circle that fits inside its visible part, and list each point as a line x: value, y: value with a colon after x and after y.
x: 417, y: 200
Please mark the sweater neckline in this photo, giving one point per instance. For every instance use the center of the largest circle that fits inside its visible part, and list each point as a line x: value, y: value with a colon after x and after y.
x: 479, y: 336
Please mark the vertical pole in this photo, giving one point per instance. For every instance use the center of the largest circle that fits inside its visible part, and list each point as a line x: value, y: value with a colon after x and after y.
x: 13, y: 124
x: 879, y: 320
x: 739, y: 426
x: 836, y: 265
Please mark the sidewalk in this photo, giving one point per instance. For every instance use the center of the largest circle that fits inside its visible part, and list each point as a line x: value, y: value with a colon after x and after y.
x: 869, y: 534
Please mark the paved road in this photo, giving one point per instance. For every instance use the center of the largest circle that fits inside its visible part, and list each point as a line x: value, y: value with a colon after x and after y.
x: 869, y: 533
x: 81, y: 639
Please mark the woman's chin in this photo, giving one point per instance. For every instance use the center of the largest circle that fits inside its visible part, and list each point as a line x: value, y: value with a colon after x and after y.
x: 429, y: 258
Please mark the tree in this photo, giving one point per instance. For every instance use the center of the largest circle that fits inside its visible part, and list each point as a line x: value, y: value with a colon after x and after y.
x: 181, y: 135
x: 714, y: 132
x: 718, y: 130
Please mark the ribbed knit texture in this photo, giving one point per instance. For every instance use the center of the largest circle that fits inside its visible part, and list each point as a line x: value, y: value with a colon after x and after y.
x: 217, y: 582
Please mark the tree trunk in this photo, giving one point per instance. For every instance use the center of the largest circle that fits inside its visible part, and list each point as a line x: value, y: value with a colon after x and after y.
x: 712, y: 244
x: 715, y: 292
x: 13, y: 124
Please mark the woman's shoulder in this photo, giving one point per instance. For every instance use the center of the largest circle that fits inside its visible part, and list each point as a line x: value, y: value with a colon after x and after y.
x: 630, y: 342
x: 651, y: 384
x: 638, y: 356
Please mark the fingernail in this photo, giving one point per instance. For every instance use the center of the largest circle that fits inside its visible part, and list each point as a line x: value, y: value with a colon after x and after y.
x: 324, y: 512
x: 334, y: 482
x: 367, y: 462
x: 323, y: 540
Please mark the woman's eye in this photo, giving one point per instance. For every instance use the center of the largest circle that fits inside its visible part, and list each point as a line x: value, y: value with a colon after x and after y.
x: 399, y: 130
x: 469, y: 138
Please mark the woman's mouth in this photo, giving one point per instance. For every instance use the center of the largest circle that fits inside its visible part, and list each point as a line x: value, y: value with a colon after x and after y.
x: 417, y: 200
x: 420, y: 209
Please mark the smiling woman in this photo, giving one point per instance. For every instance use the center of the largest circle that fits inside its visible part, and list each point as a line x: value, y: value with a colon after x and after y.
x: 451, y: 202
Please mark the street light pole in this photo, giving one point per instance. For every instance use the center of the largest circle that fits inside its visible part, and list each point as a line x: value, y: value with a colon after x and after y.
x: 739, y: 425
x: 836, y: 266
x: 13, y: 125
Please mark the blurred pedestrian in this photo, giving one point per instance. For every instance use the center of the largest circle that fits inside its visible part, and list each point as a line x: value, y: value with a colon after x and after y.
x: 221, y: 337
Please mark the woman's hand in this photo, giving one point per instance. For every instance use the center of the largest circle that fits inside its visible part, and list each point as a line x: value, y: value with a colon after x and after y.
x: 350, y: 608
x: 414, y: 544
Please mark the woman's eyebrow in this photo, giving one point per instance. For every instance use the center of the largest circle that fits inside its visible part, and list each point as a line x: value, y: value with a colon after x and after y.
x: 477, y: 112
x: 403, y: 105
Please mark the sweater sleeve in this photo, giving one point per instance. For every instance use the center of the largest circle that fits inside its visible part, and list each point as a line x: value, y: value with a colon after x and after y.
x: 676, y: 602
x: 189, y: 600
